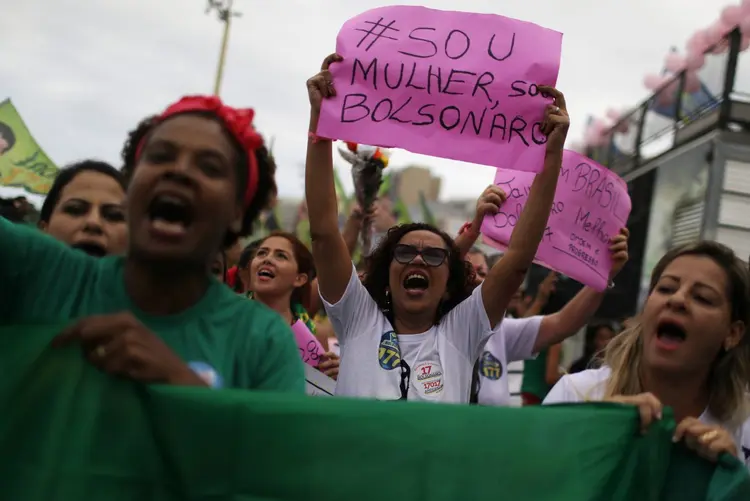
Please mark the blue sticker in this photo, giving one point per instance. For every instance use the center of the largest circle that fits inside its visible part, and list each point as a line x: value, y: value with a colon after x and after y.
x: 207, y: 374
x: 389, y: 354
x: 490, y: 367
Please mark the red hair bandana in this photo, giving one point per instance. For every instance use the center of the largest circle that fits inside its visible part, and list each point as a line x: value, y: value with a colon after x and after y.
x: 239, y: 123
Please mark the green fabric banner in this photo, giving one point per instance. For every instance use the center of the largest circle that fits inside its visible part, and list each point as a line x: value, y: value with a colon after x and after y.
x: 69, y: 433
x: 22, y: 162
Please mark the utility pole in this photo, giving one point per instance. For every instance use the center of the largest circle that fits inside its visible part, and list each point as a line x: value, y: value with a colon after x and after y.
x: 225, y: 14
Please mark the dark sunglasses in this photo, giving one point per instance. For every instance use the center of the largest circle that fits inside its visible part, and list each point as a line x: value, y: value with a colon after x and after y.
x: 432, y: 256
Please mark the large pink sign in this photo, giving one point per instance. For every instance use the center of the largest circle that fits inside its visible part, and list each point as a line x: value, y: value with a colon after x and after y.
x: 448, y: 84
x: 591, y: 206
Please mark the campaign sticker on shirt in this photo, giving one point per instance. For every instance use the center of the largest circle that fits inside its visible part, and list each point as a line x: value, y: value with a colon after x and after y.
x: 429, y: 378
x: 490, y: 367
x: 389, y: 354
x: 207, y: 374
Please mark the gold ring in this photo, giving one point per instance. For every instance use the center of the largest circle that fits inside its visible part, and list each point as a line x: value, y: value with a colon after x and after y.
x: 100, y: 351
x: 708, y: 436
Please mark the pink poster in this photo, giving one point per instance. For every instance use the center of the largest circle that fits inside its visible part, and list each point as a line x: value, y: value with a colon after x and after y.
x: 591, y: 206
x: 448, y: 84
x: 309, y: 347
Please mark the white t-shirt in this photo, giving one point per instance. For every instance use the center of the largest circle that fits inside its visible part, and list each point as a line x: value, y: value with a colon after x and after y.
x: 441, y: 360
x: 590, y: 385
x: 511, y: 341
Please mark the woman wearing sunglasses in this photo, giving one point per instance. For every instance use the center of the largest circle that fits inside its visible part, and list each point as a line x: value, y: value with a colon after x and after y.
x: 412, y: 328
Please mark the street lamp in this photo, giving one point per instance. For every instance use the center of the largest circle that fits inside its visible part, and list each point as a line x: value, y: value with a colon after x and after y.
x: 225, y: 14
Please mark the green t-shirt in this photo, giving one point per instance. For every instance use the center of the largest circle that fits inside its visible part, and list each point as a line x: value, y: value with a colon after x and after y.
x: 230, y: 341
x: 534, y: 372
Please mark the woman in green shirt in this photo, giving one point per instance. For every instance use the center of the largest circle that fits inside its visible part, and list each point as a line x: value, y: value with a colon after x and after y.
x: 199, y: 177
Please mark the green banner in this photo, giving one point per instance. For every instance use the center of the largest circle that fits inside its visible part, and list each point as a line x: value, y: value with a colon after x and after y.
x: 69, y: 432
x: 23, y: 163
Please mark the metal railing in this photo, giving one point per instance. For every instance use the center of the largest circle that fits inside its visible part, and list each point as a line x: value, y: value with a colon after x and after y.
x: 683, y: 108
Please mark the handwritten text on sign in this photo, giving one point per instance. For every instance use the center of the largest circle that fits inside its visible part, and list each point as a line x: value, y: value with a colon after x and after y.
x: 591, y: 206
x: 448, y: 84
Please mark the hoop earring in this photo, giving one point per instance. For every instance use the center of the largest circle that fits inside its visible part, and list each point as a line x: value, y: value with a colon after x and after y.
x: 387, y: 307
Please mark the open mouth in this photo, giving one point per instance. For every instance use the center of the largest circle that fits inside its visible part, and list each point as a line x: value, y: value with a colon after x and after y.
x: 265, y: 274
x: 170, y: 214
x: 91, y: 248
x: 670, y: 334
x: 416, y: 281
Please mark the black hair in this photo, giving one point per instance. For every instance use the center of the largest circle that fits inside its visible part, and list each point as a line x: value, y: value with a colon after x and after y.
x: 67, y: 174
x: 10, y: 137
x: 376, y: 281
x: 266, y: 170
x: 243, y: 262
x: 9, y: 211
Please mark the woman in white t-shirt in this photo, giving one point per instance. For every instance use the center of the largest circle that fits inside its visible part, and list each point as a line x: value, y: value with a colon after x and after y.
x: 413, y: 329
x: 688, y: 350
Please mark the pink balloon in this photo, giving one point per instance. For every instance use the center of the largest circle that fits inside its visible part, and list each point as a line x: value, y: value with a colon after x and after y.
x: 697, y: 42
x: 674, y: 62
x: 652, y: 81
x: 745, y: 7
x: 732, y: 15
x: 613, y: 114
x: 745, y: 25
x: 745, y: 43
x: 695, y: 60
x: 692, y: 82
x: 716, y: 31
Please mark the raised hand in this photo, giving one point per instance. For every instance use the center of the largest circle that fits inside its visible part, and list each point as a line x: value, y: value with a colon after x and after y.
x: 321, y: 86
x: 556, y: 120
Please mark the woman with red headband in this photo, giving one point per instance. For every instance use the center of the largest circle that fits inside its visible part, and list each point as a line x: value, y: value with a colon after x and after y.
x: 198, y: 177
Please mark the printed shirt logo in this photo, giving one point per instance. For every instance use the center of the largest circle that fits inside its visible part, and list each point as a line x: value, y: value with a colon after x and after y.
x: 207, y: 374
x: 490, y: 367
x: 389, y: 354
x: 429, y: 378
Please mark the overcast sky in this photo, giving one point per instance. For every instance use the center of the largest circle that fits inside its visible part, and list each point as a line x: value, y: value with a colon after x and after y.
x: 84, y: 72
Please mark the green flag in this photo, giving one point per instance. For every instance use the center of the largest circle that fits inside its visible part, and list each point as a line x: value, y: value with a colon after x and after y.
x: 22, y: 162
x: 69, y: 432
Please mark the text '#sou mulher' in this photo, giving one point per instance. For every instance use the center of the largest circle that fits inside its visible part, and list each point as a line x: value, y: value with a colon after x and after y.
x: 414, y: 69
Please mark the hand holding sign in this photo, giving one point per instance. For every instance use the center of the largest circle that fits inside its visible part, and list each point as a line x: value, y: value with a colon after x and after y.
x: 321, y: 86
x: 590, y: 210
x: 449, y: 84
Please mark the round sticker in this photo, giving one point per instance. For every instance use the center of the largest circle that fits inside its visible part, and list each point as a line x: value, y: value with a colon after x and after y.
x: 207, y: 374
x: 490, y: 367
x: 428, y: 378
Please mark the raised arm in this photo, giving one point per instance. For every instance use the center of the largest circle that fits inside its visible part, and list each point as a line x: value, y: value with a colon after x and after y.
x: 578, y: 311
x: 507, y: 275
x: 329, y: 250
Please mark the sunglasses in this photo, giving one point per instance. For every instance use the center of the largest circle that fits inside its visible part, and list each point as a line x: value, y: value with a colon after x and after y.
x: 432, y: 256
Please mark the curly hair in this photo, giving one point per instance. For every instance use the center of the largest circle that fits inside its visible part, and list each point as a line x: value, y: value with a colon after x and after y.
x: 376, y: 277
x: 266, y: 171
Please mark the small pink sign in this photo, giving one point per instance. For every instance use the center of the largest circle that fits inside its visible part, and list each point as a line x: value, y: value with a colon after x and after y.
x: 309, y: 347
x: 591, y: 206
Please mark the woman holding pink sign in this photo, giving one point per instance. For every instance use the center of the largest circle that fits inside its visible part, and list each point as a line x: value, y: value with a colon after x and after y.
x: 412, y: 329
x: 281, y: 273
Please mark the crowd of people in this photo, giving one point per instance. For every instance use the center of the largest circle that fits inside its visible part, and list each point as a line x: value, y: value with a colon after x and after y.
x: 146, y: 263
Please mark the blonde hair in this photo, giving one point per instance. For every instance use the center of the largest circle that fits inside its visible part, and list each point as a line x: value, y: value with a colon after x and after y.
x: 729, y: 379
